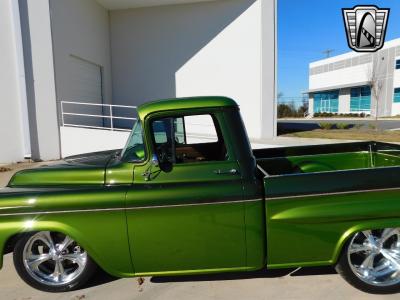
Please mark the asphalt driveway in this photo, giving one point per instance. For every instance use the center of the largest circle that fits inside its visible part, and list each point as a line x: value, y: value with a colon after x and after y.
x: 306, y: 283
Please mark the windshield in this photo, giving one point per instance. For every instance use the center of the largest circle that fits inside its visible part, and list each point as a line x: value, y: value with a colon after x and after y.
x: 134, y: 149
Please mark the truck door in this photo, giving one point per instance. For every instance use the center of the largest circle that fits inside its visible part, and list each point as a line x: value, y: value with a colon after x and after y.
x: 191, y: 217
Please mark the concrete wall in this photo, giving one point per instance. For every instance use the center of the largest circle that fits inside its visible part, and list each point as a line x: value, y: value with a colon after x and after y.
x: 211, y: 48
x: 311, y: 104
x: 269, y: 61
x: 80, y: 29
x: 11, y: 127
x: 340, y: 77
x: 396, y: 84
x: 83, y: 140
x: 344, y: 101
x: 384, y: 61
x: 229, y: 65
x: 39, y: 75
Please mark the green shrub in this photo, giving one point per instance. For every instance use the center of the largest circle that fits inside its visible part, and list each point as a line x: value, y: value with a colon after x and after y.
x: 342, y: 115
x: 326, y: 126
x: 342, y: 126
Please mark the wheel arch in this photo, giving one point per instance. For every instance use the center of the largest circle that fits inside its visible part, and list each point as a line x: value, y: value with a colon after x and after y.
x: 364, y: 225
x: 12, y: 234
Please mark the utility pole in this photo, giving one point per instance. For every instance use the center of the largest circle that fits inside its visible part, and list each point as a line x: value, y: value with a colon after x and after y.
x: 328, y: 52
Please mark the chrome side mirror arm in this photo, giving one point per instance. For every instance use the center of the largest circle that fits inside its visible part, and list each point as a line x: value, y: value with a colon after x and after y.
x: 154, y: 163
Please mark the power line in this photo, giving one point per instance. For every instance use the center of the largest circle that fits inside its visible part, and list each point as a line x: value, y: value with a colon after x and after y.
x: 328, y: 52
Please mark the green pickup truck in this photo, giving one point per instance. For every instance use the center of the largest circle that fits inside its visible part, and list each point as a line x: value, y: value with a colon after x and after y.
x: 174, y: 203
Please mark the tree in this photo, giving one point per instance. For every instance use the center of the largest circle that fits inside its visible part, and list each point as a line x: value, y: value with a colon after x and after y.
x: 303, y: 109
x: 375, y: 80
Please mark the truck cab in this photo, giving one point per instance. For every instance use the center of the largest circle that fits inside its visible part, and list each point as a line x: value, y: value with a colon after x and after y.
x: 196, y: 169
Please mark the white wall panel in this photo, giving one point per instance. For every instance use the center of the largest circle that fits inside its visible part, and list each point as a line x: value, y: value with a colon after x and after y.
x: 11, y: 129
x: 212, y: 48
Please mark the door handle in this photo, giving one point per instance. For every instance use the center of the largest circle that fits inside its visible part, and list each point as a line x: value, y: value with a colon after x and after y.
x: 226, y: 172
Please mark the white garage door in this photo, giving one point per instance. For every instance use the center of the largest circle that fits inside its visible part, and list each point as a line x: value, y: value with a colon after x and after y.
x: 85, y: 86
x: 86, y: 81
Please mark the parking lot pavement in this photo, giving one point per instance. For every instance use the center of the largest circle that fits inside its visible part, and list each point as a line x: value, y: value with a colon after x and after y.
x: 306, y: 283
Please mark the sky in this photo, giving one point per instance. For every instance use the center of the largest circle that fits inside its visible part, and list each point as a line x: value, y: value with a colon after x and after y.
x: 308, y: 27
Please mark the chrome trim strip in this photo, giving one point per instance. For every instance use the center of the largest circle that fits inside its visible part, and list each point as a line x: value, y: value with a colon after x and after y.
x: 336, y: 171
x: 194, y: 204
x: 123, y: 208
x: 60, y: 212
x: 330, y: 194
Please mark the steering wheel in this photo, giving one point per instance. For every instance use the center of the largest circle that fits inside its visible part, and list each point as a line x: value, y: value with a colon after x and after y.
x: 162, y: 152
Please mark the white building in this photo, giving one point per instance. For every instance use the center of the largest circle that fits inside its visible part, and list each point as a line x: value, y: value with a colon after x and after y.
x: 127, y: 52
x: 342, y: 84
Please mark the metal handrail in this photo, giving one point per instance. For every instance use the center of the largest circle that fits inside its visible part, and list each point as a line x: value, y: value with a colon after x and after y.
x: 111, y: 115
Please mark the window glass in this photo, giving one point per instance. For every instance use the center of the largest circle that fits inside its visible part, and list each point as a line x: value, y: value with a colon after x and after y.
x: 396, y: 97
x: 398, y: 64
x: 134, y: 149
x: 189, y: 139
x: 160, y: 131
x: 360, y: 99
x: 326, y: 101
x: 180, y: 131
x: 200, y: 129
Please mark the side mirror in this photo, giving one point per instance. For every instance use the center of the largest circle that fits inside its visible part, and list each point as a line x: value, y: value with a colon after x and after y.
x: 162, y: 159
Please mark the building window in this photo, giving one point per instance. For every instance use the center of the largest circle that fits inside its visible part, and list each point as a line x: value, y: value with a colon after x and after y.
x: 326, y: 102
x: 396, y: 98
x: 360, y: 99
x: 398, y: 64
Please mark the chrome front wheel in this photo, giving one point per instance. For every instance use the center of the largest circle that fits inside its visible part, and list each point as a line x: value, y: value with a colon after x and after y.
x: 52, y: 261
x: 371, y: 261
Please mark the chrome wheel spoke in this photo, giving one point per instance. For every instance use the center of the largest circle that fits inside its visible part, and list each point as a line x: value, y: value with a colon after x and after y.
x: 356, y: 248
x: 392, y: 257
x: 388, y: 233
x: 77, y: 258
x: 368, y: 262
x: 367, y: 233
x: 58, y: 273
x: 46, y: 238
x: 66, y: 243
x: 35, y: 261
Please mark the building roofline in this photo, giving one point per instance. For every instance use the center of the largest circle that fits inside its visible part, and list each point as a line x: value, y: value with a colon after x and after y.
x: 350, y: 54
x: 338, y: 87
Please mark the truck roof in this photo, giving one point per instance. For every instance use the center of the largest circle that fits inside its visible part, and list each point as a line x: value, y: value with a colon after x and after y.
x: 184, y: 103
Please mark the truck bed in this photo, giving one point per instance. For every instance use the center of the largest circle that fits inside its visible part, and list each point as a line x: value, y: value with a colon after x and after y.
x: 325, y: 158
x: 316, y: 196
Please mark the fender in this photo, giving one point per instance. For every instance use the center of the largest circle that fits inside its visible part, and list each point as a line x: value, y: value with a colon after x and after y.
x: 93, y: 217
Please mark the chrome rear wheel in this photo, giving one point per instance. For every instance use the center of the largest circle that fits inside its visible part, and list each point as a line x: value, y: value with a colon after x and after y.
x: 371, y: 260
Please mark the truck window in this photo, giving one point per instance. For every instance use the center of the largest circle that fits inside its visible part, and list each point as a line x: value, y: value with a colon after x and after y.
x: 189, y: 139
x: 134, y: 149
